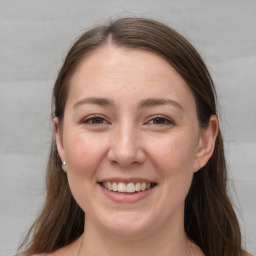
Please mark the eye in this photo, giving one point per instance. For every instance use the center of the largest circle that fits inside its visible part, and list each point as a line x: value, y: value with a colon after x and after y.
x: 94, y: 120
x: 160, y: 120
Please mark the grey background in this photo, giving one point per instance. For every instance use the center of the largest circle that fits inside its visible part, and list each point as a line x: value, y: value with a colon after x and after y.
x: 34, y: 37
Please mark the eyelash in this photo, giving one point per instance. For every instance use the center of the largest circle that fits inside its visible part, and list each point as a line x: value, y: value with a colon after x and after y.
x: 98, y: 120
x: 164, y: 120
x: 90, y: 120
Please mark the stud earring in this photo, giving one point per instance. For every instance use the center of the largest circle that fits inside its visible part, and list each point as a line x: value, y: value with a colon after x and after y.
x: 64, y: 163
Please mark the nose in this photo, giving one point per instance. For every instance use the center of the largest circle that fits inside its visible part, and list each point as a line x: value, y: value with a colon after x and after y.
x: 126, y: 148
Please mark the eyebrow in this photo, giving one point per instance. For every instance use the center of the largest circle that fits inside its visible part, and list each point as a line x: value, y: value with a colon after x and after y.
x: 96, y: 101
x: 150, y: 102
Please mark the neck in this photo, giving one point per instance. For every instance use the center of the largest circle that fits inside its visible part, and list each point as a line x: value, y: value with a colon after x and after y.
x: 169, y: 240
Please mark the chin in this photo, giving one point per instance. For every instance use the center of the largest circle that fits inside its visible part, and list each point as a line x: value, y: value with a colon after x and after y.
x: 127, y: 225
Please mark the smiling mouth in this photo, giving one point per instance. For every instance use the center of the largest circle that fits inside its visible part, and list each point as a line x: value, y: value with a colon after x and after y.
x: 131, y: 187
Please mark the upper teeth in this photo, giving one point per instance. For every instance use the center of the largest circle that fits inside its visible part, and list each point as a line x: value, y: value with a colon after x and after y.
x: 128, y: 188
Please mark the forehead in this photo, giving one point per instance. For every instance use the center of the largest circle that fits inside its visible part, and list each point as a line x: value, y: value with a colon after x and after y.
x: 115, y: 72
x: 119, y: 59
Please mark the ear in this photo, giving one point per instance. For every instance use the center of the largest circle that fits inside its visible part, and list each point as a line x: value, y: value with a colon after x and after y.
x: 206, y: 143
x: 59, y: 140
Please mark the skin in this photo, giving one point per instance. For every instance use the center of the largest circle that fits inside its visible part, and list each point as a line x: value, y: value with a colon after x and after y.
x: 126, y: 139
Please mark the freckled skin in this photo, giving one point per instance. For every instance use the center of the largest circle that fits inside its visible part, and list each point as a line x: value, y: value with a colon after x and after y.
x: 127, y: 142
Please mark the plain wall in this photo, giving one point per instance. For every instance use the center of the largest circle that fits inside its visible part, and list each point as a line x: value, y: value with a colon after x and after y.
x: 34, y: 37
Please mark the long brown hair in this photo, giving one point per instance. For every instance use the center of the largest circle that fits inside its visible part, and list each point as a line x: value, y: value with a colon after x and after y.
x: 210, y: 220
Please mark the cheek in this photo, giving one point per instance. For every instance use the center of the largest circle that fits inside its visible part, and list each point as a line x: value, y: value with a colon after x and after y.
x: 82, y: 153
x: 174, y: 159
x: 175, y: 154
x: 175, y: 166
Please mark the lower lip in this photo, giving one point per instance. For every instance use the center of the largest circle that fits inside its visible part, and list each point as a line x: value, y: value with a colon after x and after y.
x: 126, y: 198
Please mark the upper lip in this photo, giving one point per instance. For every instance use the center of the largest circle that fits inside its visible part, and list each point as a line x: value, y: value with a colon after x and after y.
x: 126, y: 180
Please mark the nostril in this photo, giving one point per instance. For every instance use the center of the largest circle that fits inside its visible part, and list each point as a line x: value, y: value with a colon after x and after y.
x: 126, y: 156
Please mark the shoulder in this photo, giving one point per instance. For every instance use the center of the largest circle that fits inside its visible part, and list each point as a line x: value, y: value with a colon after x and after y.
x: 23, y: 254
x: 42, y: 254
x: 67, y: 250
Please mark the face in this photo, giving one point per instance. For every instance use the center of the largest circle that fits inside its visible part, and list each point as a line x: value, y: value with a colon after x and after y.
x: 131, y: 141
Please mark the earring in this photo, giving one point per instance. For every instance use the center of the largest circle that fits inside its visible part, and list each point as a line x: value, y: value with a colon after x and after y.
x: 64, y: 163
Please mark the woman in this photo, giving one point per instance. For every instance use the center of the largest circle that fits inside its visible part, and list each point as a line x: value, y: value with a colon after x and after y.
x: 137, y: 164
